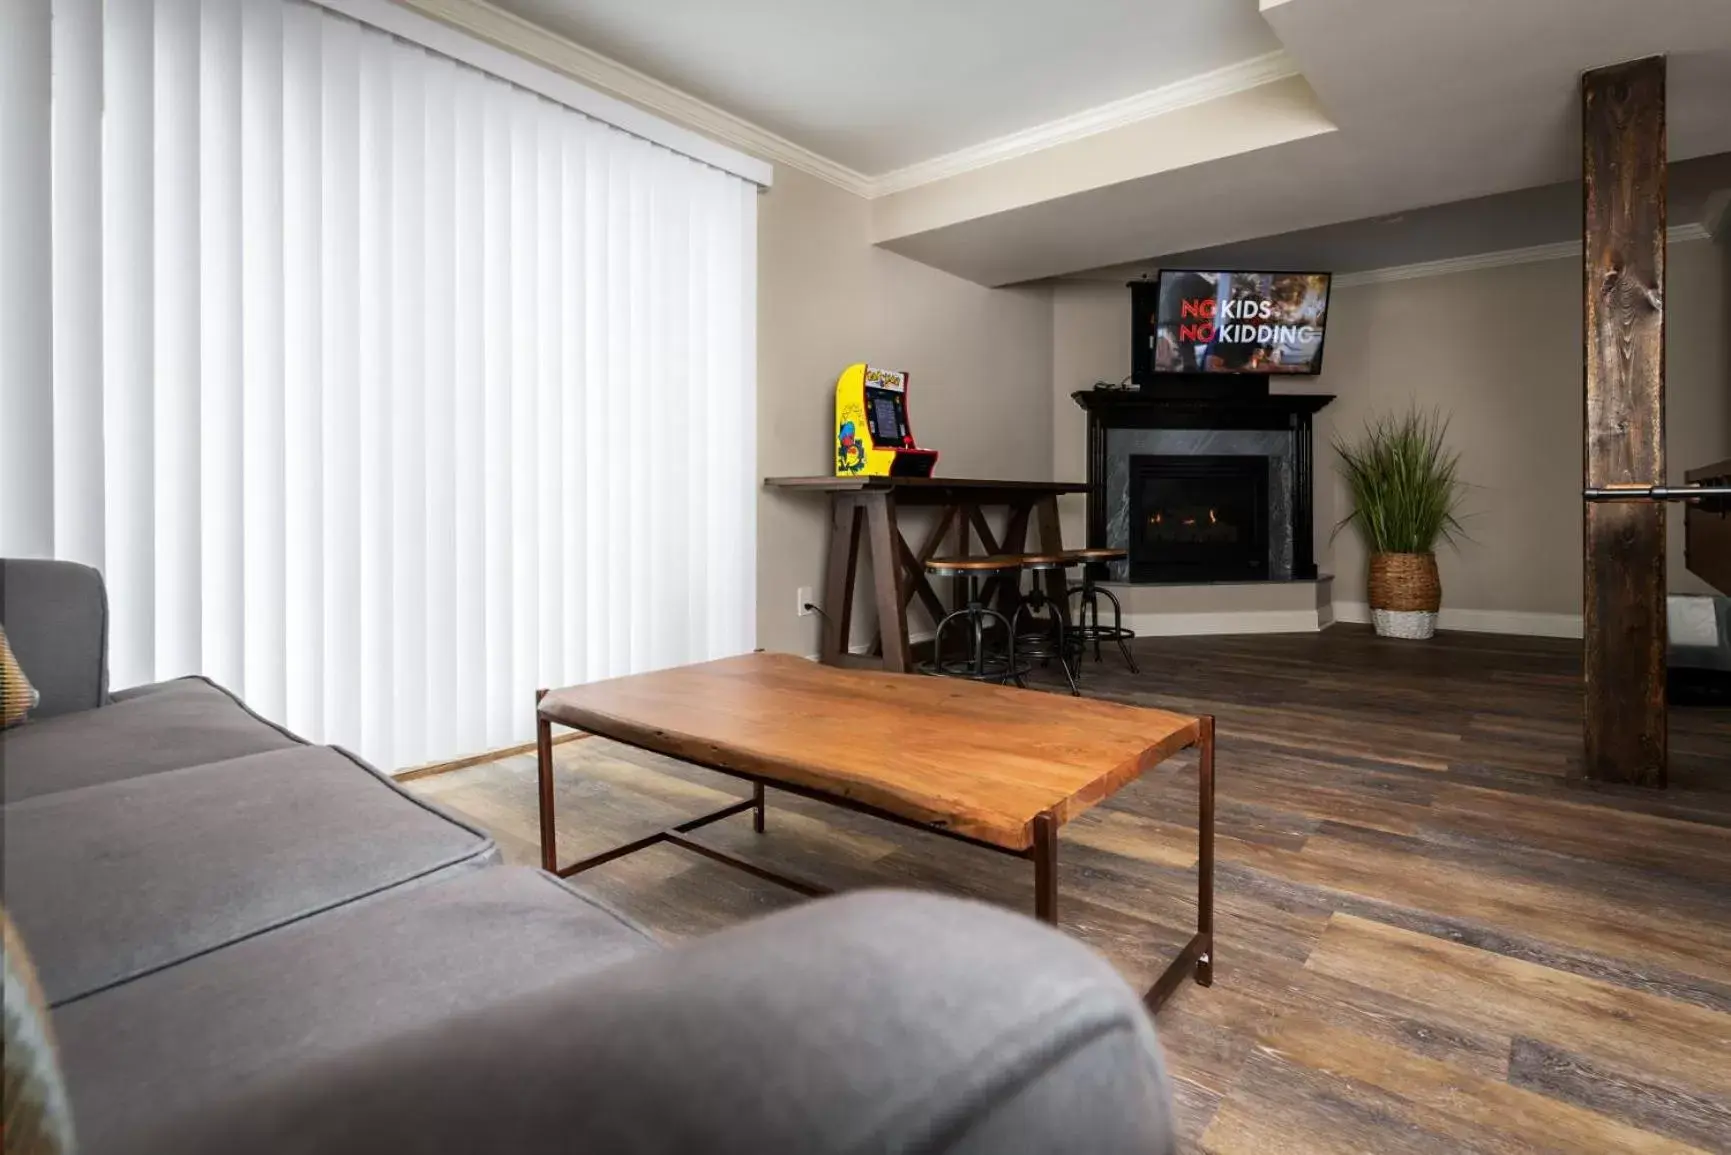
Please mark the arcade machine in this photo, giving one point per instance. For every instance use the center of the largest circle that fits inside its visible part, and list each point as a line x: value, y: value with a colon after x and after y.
x: 872, y: 438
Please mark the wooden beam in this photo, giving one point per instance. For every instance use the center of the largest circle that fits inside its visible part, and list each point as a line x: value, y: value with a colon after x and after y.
x: 1623, y: 229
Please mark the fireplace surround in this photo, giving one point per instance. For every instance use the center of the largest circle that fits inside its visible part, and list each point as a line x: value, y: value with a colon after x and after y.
x: 1244, y: 447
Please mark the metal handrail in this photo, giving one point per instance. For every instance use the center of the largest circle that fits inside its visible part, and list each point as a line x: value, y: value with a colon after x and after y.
x: 1657, y: 493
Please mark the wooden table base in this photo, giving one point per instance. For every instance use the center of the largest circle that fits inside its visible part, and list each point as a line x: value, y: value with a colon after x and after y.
x: 1196, y: 958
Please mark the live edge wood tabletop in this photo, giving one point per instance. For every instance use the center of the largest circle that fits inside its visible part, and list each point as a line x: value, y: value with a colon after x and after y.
x: 992, y: 765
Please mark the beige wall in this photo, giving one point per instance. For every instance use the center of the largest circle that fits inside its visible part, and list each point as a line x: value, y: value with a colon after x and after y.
x: 1090, y: 343
x: 980, y: 361
x: 1500, y: 350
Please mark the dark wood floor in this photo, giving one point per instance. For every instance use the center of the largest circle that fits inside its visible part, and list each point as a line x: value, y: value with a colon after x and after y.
x: 1427, y: 940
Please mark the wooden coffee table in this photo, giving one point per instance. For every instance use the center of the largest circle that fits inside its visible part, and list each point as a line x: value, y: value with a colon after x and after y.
x: 990, y: 765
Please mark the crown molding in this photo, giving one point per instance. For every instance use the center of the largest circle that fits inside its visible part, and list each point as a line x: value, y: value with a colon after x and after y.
x: 1234, y: 78
x: 511, y: 32
x: 1562, y: 250
x: 1531, y: 255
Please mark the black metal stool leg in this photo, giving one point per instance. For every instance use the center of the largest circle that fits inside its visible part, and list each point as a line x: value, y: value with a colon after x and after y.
x: 1043, y: 637
x: 978, y: 627
x: 1064, y: 654
x: 1118, y: 630
x: 1011, y: 672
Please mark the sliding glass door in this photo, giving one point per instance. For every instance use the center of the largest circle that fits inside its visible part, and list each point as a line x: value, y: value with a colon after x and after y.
x: 383, y: 390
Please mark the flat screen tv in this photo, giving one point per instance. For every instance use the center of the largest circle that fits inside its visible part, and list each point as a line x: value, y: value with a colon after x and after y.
x: 1232, y: 322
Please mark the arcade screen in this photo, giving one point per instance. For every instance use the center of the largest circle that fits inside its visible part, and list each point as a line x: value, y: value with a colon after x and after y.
x: 1231, y: 322
x: 886, y: 423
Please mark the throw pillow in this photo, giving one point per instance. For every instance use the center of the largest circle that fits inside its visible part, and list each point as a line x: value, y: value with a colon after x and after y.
x: 17, y: 696
x: 33, y: 1109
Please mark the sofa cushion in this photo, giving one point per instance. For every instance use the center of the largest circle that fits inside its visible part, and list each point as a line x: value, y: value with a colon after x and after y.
x: 186, y: 722
x: 873, y: 1022
x: 111, y: 882
x: 155, y: 1064
x: 56, y: 614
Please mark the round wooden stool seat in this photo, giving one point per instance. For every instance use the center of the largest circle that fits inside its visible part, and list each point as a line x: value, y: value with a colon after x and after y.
x: 1048, y: 561
x: 992, y: 563
x: 1100, y: 554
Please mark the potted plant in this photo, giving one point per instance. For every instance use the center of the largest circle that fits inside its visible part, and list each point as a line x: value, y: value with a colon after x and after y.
x: 1405, y: 495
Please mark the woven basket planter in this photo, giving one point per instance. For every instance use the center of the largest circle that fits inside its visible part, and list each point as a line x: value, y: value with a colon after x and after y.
x: 1405, y: 594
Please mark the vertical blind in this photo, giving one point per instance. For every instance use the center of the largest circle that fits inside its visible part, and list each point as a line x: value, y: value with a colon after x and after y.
x: 381, y: 390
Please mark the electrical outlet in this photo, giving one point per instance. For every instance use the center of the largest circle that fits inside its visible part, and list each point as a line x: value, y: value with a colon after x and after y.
x: 803, y: 601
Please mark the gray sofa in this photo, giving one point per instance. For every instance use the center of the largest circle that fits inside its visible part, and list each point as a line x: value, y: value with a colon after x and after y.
x: 254, y: 944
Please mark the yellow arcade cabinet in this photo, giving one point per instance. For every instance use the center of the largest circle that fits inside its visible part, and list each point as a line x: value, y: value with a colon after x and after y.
x: 872, y: 435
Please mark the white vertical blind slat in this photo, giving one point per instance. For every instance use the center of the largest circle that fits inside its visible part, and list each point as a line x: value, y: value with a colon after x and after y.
x: 636, y: 414
x: 76, y: 127
x: 374, y: 301
x: 384, y: 392
x: 524, y: 530
x: 26, y: 266
x: 572, y: 517
x: 599, y: 603
x: 221, y: 363
x: 468, y: 674
x: 496, y: 410
x: 177, y: 305
x: 340, y: 265
x: 549, y: 626
x: 303, y: 369
x: 616, y: 408
x: 128, y: 283
x: 263, y: 452
x: 408, y: 408
x: 443, y: 323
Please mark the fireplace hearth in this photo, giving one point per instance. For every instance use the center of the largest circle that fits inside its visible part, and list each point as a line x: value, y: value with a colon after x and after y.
x: 1198, y: 517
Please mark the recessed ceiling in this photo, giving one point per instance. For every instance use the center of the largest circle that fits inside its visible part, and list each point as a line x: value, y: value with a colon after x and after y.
x: 1431, y: 101
x: 1269, y: 118
x: 1547, y: 215
x: 880, y: 86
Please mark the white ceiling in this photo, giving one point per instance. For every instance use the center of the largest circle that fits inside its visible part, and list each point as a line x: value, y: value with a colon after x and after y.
x: 882, y: 85
x: 1396, y: 105
x: 1433, y: 101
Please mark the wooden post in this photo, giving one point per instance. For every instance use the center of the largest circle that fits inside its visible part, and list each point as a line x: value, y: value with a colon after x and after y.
x: 882, y: 533
x: 845, y: 520
x: 1623, y: 228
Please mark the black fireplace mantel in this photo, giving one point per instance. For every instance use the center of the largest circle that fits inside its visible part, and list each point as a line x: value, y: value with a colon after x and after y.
x: 1190, y: 407
x: 1139, y: 409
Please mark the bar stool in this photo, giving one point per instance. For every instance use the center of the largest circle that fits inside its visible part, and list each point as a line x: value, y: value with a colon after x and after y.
x: 983, y: 663
x: 1088, y: 628
x: 1038, y: 623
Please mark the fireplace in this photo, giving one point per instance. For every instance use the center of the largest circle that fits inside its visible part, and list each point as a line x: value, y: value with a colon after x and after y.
x: 1198, y: 517
x: 1207, y: 485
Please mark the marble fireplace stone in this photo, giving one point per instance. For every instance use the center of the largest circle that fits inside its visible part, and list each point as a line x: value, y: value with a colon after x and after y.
x: 1275, y: 444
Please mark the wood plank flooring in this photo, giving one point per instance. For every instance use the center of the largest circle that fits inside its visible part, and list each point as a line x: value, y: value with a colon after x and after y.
x: 1427, y: 939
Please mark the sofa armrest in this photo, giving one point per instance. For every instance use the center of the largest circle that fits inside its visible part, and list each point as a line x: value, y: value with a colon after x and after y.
x: 877, y: 1022
x: 56, y: 619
